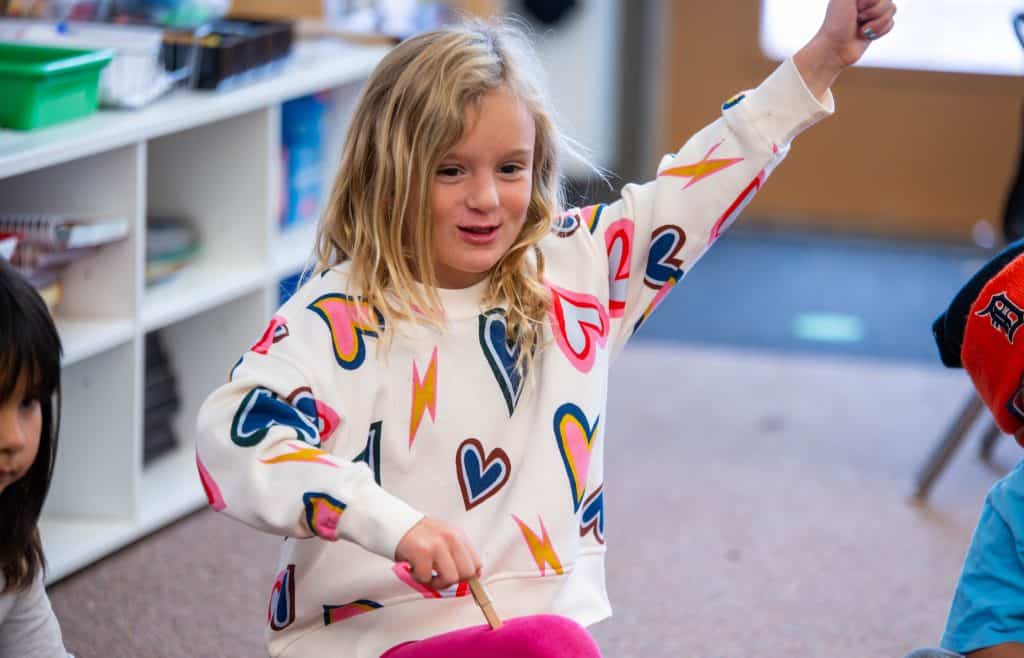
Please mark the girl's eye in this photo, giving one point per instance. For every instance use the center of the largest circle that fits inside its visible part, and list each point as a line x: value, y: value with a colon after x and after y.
x: 448, y: 172
x: 512, y: 168
x: 28, y: 403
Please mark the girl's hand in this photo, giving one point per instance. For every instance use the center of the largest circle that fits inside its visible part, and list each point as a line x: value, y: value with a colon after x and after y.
x: 848, y: 29
x: 851, y: 25
x: 433, y: 546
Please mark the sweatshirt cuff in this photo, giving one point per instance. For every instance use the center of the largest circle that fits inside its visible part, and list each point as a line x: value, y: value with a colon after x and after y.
x: 782, y: 106
x: 377, y: 520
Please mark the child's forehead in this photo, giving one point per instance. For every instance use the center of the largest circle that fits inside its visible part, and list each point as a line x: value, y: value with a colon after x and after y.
x: 500, y: 98
x: 17, y: 376
x: 497, y: 121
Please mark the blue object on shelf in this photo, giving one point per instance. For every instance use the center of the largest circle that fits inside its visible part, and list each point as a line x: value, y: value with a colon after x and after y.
x: 288, y: 286
x: 303, y: 158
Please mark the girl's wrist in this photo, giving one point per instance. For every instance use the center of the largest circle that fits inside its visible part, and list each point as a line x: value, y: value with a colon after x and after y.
x: 819, y: 65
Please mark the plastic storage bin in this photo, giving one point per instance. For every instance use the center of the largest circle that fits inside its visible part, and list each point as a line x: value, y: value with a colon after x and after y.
x: 135, y: 76
x: 44, y: 85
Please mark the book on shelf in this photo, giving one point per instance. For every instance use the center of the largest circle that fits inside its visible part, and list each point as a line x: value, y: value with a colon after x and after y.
x: 166, y: 236
x: 40, y: 277
x: 59, y: 231
x: 161, y: 398
x: 171, y: 244
x: 161, y: 401
x: 29, y: 255
x: 162, y: 414
x: 159, y: 270
x: 159, y: 441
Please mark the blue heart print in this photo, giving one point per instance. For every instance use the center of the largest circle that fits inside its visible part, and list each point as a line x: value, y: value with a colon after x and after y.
x: 480, y: 481
x: 592, y: 517
x: 371, y: 453
x: 262, y: 409
x: 501, y: 355
x: 477, y: 479
x: 662, y: 263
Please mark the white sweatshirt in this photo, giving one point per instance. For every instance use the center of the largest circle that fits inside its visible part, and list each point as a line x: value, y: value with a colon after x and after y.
x: 318, y: 439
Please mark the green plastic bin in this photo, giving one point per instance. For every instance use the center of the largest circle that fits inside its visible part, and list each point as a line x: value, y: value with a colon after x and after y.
x: 41, y: 85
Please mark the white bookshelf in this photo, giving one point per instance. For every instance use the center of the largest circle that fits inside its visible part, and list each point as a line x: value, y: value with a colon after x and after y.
x: 215, y: 158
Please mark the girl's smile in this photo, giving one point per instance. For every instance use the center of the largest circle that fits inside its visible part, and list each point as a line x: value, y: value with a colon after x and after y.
x: 479, y: 234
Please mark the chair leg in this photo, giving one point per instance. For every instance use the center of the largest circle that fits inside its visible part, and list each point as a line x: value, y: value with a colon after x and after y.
x: 988, y: 443
x: 946, y: 448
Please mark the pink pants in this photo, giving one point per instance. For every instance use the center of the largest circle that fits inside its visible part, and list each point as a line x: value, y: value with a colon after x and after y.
x: 535, y: 636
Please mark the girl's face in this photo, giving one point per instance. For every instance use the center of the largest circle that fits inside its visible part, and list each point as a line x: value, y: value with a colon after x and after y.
x: 481, y: 190
x: 21, y: 421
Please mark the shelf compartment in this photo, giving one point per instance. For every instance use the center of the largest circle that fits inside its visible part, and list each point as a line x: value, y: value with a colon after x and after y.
x: 102, y: 285
x: 198, y: 288
x: 84, y: 338
x: 94, y: 477
x: 216, y: 177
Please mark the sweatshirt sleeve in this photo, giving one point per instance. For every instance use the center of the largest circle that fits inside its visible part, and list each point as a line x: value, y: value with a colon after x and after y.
x: 657, y: 231
x: 264, y: 439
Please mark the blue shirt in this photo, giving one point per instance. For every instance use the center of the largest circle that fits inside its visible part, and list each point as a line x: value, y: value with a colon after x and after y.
x: 988, y: 607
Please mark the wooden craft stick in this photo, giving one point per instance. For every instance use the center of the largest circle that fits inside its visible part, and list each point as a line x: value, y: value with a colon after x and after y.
x: 484, y: 601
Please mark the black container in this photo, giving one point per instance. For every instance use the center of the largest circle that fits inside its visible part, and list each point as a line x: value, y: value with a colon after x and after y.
x: 228, y: 48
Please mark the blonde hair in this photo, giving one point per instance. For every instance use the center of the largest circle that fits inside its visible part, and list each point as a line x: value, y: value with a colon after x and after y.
x: 411, y: 112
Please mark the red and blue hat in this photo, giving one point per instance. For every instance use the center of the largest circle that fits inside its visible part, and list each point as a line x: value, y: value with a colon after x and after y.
x: 982, y: 331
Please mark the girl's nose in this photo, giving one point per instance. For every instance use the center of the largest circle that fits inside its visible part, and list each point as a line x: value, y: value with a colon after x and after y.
x: 484, y: 195
x: 12, y: 435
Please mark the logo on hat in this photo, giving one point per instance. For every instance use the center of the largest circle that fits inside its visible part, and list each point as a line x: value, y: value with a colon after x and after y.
x: 1004, y: 315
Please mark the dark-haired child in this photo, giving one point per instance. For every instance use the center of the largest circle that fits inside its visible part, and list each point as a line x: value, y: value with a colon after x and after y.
x: 30, y: 354
x: 980, y: 332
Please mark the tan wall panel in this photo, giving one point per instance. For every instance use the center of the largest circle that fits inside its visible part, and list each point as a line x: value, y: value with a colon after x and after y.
x: 915, y: 154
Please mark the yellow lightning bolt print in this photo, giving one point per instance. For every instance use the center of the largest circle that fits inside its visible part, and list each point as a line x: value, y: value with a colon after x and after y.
x: 302, y: 453
x: 424, y: 395
x: 701, y: 170
x: 543, y: 553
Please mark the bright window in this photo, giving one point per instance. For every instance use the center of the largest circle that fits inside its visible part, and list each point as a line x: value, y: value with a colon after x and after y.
x: 967, y: 36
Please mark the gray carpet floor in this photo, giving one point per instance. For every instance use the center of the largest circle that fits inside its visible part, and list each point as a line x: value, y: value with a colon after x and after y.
x: 759, y: 289
x: 756, y: 506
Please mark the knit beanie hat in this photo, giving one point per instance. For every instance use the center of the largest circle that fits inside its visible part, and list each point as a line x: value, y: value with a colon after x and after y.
x: 981, y: 332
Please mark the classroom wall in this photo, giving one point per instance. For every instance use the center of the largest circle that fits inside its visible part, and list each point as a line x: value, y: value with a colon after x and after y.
x: 908, y: 154
x: 581, y: 57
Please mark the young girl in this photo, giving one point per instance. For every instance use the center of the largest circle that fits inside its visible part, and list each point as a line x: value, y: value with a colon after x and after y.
x: 29, y: 383
x: 430, y: 405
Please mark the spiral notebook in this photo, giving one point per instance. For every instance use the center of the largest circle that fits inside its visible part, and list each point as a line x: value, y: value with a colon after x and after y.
x: 56, y: 231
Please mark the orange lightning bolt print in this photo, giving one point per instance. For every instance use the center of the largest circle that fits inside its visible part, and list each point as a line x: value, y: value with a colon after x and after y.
x: 701, y: 170
x: 543, y: 553
x: 424, y: 395
x: 301, y: 452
